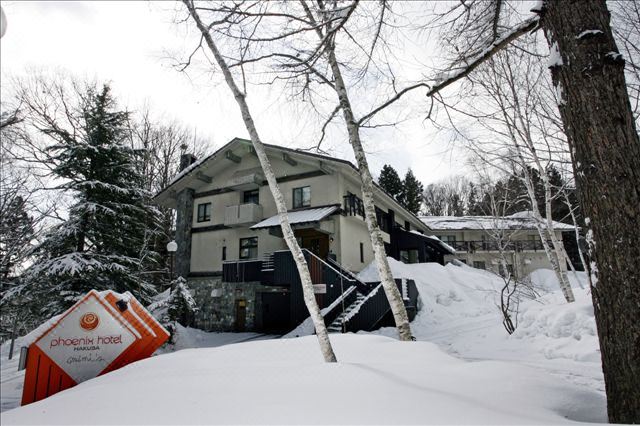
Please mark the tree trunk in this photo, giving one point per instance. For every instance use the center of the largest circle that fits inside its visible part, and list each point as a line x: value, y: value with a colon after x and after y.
x: 384, y: 271
x: 605, y: 151
x: 298, y: 256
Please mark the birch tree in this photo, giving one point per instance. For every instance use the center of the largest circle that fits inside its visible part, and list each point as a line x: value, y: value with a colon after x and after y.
x: 587, y: 71
x: 298, y: 256
x: 515, y: 109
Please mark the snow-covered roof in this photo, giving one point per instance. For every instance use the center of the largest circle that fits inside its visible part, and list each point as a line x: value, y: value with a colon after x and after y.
x: 299, y: 216
x: 520, y: 220
x: 436, y: 240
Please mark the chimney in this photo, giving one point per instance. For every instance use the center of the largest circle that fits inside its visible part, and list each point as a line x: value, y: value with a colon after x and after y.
x: 186, y: 160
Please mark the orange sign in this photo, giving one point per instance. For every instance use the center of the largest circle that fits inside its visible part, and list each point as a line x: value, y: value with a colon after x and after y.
x: 100, y: 333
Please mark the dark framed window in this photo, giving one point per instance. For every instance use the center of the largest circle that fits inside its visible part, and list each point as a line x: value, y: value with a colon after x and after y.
x: 407, y: 225
x: 409, y: 256
x: 249, y: 248
x: 224, y: 253
x: 251, y: 197
x: 479, y: 264
x: 204, y: 212
x: 301, y: 197
x: 361, y: 253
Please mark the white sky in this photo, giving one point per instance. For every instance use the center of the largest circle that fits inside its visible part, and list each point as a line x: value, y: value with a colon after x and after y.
x: 131, y: 45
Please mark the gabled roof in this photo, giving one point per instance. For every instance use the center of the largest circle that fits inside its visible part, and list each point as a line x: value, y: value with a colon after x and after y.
x: 180, y: 181
x: 517, y: 221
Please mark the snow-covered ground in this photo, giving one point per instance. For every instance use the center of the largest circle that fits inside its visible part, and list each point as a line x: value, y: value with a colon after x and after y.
x: 463, y: 369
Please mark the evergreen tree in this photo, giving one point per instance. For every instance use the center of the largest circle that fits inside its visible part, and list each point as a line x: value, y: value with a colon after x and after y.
x: 412, y: 192
x: 176, y: 307
x: 390, y: 181
x: 106, y: 241
x: 16, y: 228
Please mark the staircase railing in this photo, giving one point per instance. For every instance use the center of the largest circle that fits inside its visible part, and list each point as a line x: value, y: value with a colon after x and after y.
x: 333, y: 311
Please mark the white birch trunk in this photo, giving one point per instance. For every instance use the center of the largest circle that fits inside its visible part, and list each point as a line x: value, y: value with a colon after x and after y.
x: 298, y: 256
x: 545, y: 232
x: 384, y: 271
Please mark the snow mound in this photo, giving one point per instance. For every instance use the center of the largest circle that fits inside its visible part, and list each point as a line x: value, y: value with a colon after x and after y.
x: 285, y: 382
x: 565, y: 330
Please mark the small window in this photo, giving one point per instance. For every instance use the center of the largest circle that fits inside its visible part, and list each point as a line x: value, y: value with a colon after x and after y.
x: 251, y: 197
x: 301, y: 197
x: 407, y: 225
x: 224, y: 253
x: 361, y: 253
x: 409, y: 256
x: 204, y: 212
x: 478, y: 264
x: 448, y: 238
x: 249, y: 248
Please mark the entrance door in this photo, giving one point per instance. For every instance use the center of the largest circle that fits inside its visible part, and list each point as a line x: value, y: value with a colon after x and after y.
x: 314, y: 241
x: 241, y: 315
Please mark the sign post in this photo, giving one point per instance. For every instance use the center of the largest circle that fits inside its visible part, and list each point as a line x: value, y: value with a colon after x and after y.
x: 100, y: 333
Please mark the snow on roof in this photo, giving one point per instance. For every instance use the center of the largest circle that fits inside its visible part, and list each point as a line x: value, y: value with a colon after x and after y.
x: 520, y: 220
x: 436, y: 240
x: 300, y: 216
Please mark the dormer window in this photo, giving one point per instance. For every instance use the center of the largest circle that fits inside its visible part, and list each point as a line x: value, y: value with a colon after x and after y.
x: 204, y: 212
x: 301, y: 197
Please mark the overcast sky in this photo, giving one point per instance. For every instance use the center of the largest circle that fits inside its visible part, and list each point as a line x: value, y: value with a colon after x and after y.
x: 132, y: 45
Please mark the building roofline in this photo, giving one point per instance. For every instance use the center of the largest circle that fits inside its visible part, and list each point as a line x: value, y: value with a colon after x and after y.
x: 291, y: 150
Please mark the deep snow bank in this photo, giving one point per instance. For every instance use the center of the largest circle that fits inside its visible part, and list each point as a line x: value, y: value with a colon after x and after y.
x: 378, y: 380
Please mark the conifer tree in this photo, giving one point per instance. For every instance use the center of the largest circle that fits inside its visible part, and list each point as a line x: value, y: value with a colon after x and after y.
x: 106, y: 241
x: 390, y: 181
x: 412, y: 193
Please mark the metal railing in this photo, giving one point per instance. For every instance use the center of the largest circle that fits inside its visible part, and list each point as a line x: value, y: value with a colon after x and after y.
x: 473, y: 246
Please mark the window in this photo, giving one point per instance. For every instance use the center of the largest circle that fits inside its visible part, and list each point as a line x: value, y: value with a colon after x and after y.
x: 407, y: 225
x: 353, y: 205
x: 479, y: 264
x: 448, y: 238
x: 224, y: 253
x: 301, y: 197
x: 204, y: 212
x: 361, y: 253
x: 249, y: 248
x: 383, y: 220
x: 251, y: 197
x: 409, y: 256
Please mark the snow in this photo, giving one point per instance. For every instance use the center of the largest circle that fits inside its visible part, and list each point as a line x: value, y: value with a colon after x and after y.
x: 588, y: 33
x: 442, y: 244
x: 520, y: 220
x: 300, y: 216
x: 555, y: 59
x: 464, y: 368
x: 285, y: 382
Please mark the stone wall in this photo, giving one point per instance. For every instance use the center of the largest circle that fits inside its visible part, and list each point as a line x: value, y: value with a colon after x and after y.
x: 217, y: 303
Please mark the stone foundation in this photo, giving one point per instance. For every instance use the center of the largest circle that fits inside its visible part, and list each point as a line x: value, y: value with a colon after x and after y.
x: 217, y: 303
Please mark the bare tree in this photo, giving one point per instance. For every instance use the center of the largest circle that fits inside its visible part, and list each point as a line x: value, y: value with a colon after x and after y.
x: 298, y: 256
x: 509, y: 96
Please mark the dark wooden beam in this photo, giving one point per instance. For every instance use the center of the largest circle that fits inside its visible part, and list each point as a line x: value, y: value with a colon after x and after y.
x: 204, y: 177
x: 229, y: 155
x: 287, y: 158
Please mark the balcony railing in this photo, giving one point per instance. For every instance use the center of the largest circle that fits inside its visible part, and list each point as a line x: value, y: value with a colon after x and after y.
x: 473, y: 246
x: 242, y: 214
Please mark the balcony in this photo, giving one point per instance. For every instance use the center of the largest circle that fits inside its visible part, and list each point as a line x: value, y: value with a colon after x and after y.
x: 242, y: 214
x: 474, y: 246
